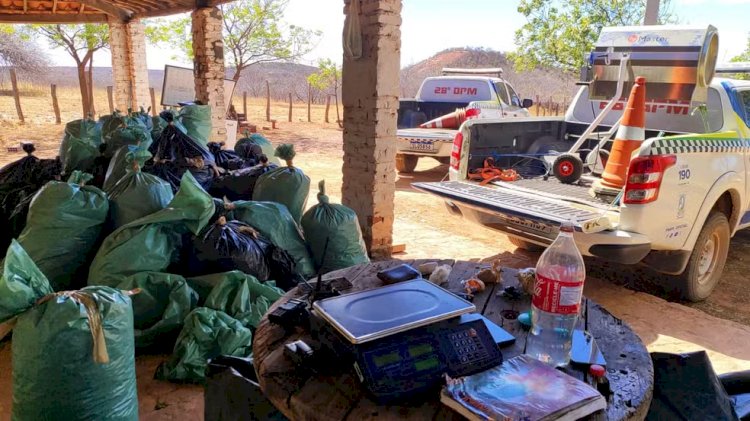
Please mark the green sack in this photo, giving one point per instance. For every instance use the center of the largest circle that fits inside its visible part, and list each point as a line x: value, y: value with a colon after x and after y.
x: 275, y: 223
x: 63, y: 227
x: 153, y: 242
x: 260, y: 140
x: 129, y: 135
x: 109, y: 123
x: 137, y: 194
x: 242, y: 296
x: 286, y: 185
x: 159, y: 308
x: 22, y: 283
x: 340, y: 226
x: 207, y: 334
x: 80, y: 145
x: 58, y: 373
x: 197, y: 122
x: 117, y: 167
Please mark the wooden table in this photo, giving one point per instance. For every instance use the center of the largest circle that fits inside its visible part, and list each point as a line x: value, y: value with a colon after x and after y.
x: 301, y: 396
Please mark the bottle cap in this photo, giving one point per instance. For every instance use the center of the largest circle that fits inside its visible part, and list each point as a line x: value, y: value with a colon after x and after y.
x: 597, y: 371
x: 525, y: 319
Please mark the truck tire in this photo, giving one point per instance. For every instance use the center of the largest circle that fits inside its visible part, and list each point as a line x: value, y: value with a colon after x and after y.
x: 707, y: 260
x: 567, y: 168
x: 524, y: 245
x: 406, y: 163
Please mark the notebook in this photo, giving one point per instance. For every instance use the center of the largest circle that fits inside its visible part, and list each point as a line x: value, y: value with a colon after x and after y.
x: 521, y: 389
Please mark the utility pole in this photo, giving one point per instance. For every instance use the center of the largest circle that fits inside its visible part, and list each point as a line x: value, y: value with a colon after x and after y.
x: 652, y: 13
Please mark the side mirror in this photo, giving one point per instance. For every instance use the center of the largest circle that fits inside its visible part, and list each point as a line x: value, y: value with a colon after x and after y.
x: 527, y: 103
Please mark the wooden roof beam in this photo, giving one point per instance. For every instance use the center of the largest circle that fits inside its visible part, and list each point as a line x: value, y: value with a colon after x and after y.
x: 109, y: 8
x: 50, y: 18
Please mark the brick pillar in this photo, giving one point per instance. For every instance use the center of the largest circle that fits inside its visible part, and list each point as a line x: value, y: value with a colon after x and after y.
x: 208, y: 50
x: 129, y: 72
x: 370, y: 89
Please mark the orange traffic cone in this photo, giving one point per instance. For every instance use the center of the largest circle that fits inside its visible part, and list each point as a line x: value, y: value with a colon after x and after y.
x: 449, y: 121
x: 629, y: 137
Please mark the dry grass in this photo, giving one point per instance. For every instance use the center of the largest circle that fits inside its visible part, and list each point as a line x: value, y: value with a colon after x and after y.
x: 41, y: 129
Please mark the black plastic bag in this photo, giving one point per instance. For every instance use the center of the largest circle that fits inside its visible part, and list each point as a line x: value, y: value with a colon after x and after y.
x: 233, y: 245
x: 232, y: 392
x: 225, y: 158
x: 239, y: 184
x: 22, y: 170
x: 175, y: 153
x: 687, y: 388
x: 101, y: 164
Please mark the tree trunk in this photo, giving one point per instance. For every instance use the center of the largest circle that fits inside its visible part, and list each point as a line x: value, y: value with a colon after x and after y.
x: 237, y: 73
x: 82, y: 84
x: 92, y: 107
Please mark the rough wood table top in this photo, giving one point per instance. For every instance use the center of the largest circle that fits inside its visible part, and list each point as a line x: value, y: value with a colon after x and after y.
x: 302, y: 396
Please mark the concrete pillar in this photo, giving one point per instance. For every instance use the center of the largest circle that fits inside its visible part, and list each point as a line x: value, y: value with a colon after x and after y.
x: 370, y: 89
x: 208, y: 50
x: 129, y: 71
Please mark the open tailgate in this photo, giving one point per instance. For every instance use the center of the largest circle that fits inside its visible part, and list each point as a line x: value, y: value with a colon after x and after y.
x: 520, y: 211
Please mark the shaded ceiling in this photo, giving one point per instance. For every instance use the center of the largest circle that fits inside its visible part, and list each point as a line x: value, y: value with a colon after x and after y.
x: 61, y: 11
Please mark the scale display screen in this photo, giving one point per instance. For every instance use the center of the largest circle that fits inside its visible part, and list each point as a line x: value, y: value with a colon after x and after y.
x: 427, y: 364
x: 386, y: 359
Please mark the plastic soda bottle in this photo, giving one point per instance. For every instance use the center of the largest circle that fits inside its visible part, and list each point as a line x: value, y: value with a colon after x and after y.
x: 560, y: 274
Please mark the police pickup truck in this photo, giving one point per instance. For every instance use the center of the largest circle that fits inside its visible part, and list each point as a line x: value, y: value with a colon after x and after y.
x: 687, y: 188
x: 484, y: 96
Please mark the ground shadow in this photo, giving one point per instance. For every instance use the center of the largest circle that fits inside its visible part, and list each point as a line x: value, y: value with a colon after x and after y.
x: 438, y: 172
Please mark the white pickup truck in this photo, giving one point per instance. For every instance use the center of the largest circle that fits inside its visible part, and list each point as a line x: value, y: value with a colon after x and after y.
x: 693, y: 191
x: 440, y: 95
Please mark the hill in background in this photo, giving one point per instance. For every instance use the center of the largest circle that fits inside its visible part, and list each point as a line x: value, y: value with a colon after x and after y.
x: 545, y: 83
x: 286, y: 78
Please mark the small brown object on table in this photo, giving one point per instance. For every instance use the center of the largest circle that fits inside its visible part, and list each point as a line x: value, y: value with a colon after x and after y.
x: 303, y: 397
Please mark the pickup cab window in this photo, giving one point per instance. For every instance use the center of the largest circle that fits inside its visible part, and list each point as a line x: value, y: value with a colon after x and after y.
x: 744, y: 97
x: 514, y: 99
x: 502, y: 92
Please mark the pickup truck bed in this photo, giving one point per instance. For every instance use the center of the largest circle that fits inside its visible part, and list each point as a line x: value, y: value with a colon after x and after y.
x: 510, y: 208
x: 551, y: 187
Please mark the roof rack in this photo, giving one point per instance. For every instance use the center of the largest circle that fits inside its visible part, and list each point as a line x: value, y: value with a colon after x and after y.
x: 737, y: 67
x: 494, y: 71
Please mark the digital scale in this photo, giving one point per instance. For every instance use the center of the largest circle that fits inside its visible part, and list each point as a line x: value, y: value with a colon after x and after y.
x: 402, y: 338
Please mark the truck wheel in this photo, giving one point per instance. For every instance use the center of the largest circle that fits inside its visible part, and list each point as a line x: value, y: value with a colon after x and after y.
x: 567, y: 168
x: 524, y: 245
x: 406, y: 163
x: 707, y: 260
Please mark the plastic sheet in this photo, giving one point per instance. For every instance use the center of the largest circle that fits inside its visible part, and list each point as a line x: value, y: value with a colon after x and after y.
x: 63, y: 228
x: 159, y: 308
x: 338, y: 225
x: 232, y: 392
x: 207, y: 334
x: 687, y: 388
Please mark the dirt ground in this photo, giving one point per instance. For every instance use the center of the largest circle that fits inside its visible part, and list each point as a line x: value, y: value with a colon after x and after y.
x: 720, y: 325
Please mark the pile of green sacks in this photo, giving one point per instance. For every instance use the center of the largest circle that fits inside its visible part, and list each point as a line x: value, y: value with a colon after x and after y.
x: 73, y: 353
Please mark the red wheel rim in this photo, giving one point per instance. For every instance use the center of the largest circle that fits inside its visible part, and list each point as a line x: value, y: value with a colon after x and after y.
x: 565, y: 168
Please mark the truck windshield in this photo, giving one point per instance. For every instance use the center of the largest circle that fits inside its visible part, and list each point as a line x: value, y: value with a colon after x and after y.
x: 514, y: 99
x: 502, y: 92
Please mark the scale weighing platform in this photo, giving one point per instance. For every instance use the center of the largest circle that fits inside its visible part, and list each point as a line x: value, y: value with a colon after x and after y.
x: 403, y: 337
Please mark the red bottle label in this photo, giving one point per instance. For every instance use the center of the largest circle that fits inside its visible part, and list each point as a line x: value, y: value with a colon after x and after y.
x: 557, y: 296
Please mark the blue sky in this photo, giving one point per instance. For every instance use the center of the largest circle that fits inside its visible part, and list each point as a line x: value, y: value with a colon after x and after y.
x: 430, y: 26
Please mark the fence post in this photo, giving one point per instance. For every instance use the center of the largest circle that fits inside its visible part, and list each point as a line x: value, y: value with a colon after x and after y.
x: 55, y: 105
x: 16, y: 95
x: 268, y: 102
x: 153, y: 101
x: 111, y: 100
x: 290, y: 107
x: 309, y: 99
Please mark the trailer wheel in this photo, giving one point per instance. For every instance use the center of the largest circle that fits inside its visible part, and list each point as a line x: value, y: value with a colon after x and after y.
x: 567, y: 168
x: 524, y: 245
x: 596, y: 161
x: 406, y: 163
x: 707, y: 260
